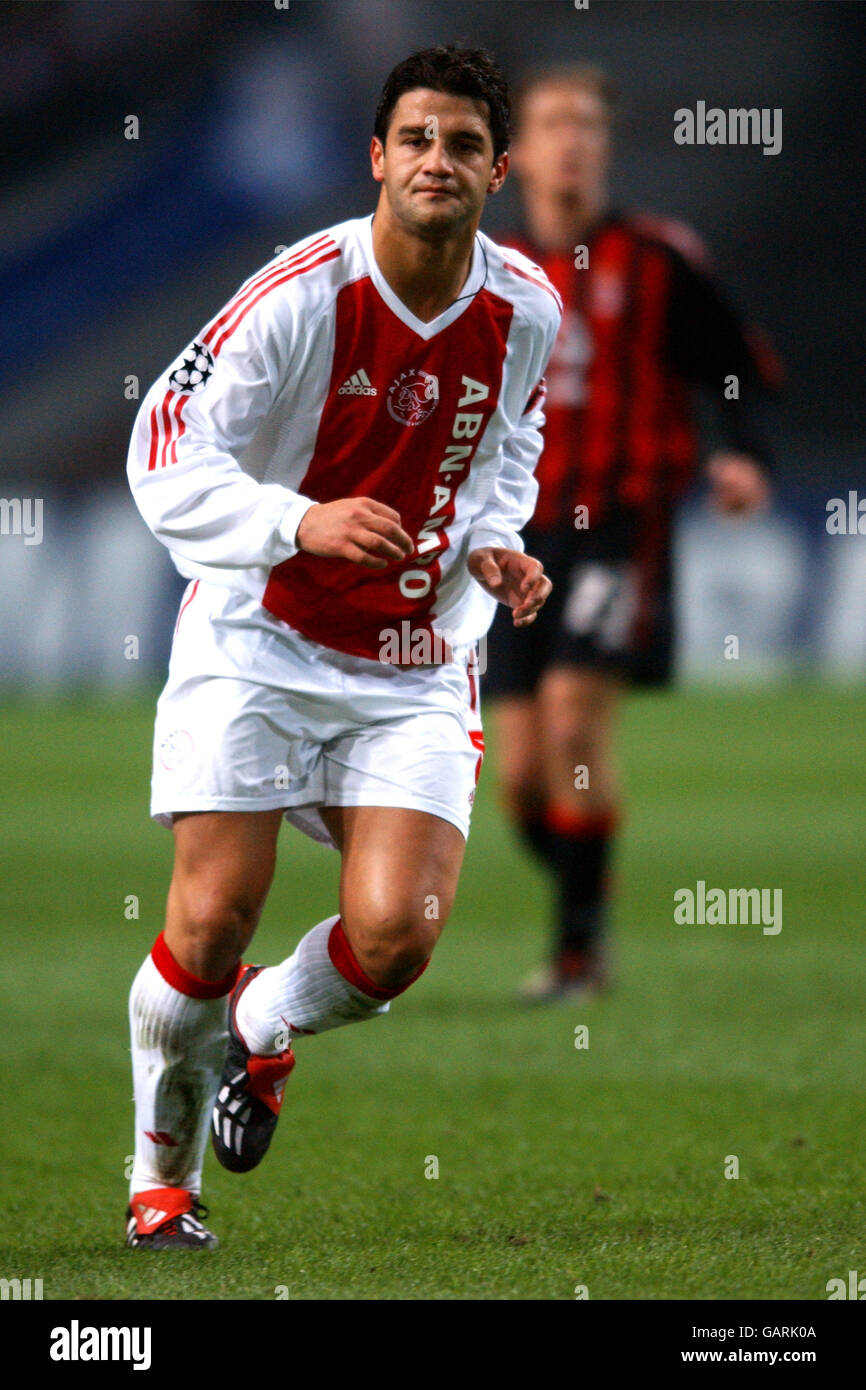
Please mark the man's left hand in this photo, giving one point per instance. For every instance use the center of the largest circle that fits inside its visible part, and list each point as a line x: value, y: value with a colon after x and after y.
x: 513, y: 578
x: 738, y: 484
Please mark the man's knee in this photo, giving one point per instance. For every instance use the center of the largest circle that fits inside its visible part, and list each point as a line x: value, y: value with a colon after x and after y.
x: 211, y: 915
x: 223, y: 867
x: 576, y: 716
x: 523, y: 797
x: 210, y: 924
x: 392, y: 943
x: 520, y: 779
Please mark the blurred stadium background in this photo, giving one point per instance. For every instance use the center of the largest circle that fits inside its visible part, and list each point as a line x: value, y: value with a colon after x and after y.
x: 559, y: 1167
x: 253, y: 128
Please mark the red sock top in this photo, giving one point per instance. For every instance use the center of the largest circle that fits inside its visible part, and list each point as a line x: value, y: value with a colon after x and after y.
x: 343, y: 959
x: 564, y: 820
x: 185, y: 983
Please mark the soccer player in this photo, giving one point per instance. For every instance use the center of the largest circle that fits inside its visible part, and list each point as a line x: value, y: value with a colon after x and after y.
x: 341, y: 464
x: 644, y: 323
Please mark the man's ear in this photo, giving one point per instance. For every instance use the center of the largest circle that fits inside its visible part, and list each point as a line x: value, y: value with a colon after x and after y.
x: 499, y: 173
x: 377, y: 159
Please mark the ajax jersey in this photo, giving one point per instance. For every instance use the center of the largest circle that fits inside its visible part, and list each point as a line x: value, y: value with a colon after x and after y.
x: 315, y: 383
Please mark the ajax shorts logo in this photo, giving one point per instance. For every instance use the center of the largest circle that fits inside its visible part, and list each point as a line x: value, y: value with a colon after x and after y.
x: 412, y: 397
x: 192, y: 371
x: 175, y: 748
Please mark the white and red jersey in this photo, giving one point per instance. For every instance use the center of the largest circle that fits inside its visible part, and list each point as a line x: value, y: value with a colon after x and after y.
x: 314, y: 383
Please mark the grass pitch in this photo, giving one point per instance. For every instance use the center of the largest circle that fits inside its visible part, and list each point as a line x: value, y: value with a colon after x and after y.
x: 559, y: 1166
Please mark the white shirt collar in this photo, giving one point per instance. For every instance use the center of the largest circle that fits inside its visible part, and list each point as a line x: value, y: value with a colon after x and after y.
x: 474, y: 282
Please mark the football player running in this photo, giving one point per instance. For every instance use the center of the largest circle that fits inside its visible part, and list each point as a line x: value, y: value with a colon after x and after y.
x: 340, y: 464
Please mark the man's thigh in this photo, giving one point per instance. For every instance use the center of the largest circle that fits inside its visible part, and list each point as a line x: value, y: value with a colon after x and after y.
x: 231, y: 849
x: 399, y: 870
x: 570, y: 694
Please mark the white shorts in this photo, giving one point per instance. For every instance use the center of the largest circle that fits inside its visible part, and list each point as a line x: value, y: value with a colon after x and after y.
x: 255, y: 717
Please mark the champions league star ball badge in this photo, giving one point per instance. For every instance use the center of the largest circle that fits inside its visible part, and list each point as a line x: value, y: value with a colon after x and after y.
x: 412, y: 397
x: 193, y: 370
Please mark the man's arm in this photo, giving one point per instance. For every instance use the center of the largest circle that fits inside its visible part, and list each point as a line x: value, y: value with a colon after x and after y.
x: 182, y: 465
x: 183, y: 461
x: 710, y: 345
x: 496, y: 558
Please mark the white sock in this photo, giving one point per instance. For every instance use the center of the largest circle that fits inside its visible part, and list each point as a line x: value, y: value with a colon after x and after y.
x: 179, y: 1032
x: 320, y: 986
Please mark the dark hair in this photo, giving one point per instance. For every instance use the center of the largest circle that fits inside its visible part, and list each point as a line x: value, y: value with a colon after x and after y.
x: 581, y: 74
x: 461, y: 72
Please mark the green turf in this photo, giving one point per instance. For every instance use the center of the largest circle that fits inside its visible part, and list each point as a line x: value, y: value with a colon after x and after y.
x: 558, y: 1167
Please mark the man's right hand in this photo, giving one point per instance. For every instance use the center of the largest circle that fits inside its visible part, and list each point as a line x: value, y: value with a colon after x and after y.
x: 355, y: 528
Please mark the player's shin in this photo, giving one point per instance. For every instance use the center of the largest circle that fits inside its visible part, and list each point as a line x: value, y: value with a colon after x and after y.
x: 532, y: 825
x: 319, y: 987
x: 178, y: 1029
x: 581, y: 845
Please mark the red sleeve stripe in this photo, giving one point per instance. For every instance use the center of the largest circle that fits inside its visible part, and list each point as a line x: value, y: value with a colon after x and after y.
x: 538, y: 394
x: 269, y: 273
x: 534, y: 280
x: 186, y: 603
x: 250, y: 285
x: 283, y: 279
x: 177, y: 413
x: 154, y: 441
x: 155, y: 438
x: 644, y: 410
x: 163, y: 418
x: 172, y: 421
x: 166, y: 426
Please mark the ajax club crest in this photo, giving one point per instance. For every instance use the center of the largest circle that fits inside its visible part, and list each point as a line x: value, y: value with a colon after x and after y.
x: 412, y: 397
x: 175, y: 748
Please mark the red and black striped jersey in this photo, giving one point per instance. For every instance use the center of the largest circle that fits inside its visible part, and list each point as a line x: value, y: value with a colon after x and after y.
x: 644, y: 323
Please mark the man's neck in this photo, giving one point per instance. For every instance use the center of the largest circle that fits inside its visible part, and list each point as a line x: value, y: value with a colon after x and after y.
x: 426, y: 276
x: 558, y: 224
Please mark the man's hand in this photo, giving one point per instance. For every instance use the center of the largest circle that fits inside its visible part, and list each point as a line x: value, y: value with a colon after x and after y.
x: 356, y: 528
x: 738, y: 485
x: 512, y: 578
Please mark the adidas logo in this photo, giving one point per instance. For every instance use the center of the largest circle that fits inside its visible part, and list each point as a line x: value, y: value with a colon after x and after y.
x: 160, y: 1136
x: 358, y: 384
x: 149, y: 1216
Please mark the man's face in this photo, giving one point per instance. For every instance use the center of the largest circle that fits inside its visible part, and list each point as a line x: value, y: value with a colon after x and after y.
x: 437, y: 162
x: 563, y: 148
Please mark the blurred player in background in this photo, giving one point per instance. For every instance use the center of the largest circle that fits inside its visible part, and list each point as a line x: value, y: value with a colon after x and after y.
x: 644, y: 323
